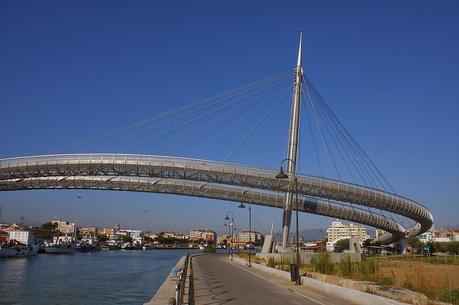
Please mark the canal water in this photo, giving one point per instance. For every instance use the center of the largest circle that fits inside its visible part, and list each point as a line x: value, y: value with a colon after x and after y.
x: 103, y: 277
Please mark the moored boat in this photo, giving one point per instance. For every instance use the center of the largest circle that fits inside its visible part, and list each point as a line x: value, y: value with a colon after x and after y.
x: 21, y: 244
x: 60, y: 245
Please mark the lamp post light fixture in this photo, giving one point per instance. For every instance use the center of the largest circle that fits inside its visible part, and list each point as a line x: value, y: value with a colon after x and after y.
x: 241, y: 206
x: 283, y: 175
x: 230, y: 231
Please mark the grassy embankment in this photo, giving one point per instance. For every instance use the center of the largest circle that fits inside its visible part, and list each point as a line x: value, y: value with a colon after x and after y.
x: 432, y: 277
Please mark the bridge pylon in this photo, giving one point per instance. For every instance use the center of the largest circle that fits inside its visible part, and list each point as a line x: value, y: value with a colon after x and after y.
x: 293, y: 140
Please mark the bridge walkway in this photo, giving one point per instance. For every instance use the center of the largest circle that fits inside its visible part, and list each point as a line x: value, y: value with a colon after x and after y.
x: 218, y: 281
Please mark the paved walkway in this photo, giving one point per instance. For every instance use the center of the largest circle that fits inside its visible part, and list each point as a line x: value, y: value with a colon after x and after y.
x: 218, y: 281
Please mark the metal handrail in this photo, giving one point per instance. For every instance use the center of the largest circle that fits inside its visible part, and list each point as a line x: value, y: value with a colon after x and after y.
x: 180, y: 286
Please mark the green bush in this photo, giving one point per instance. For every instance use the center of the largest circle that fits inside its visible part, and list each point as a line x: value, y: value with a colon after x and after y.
x: 386, y: 281
x: 321, y: 263
x: 450, y: 295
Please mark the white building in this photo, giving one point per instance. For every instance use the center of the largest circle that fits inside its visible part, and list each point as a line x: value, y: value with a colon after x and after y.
x: 65, y: 227
x: 247, y: 236
x: 338, y: 231
x: 136, y: 235
x: 207, y: 235
x: 426, y: 237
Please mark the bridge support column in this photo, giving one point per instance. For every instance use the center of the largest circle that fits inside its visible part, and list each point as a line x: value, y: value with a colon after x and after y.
x: 402, y: 245
x: 286, y: 218
x: 293, y: 145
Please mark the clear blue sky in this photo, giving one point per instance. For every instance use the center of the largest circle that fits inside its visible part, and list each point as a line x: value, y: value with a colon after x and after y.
x: 72, y: 70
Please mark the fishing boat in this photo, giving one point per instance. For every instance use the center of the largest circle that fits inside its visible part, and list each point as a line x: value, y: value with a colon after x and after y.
x: 19, y: 244
x: 88, y: 243
x: 61, y: 245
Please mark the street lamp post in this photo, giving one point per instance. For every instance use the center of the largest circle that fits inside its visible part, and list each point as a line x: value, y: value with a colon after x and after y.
x: 282, y: 175
x: 250, y: 230
x: 230, y: 231
x: 76, y: 220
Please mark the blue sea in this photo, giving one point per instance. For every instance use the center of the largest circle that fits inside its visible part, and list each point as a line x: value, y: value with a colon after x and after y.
x: 103, y: 277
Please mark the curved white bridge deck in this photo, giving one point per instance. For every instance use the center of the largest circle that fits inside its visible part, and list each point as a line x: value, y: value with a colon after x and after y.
x: 210, y: 179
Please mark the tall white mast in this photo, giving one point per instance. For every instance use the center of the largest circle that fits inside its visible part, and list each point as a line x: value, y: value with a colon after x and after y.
x: 293, y: 143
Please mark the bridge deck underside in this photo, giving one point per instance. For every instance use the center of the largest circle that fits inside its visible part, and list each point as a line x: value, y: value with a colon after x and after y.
x: 213, y: 180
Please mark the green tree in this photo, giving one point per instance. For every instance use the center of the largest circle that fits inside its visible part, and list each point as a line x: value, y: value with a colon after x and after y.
x: 126, y: 239
x: 453, y: 247
x: 415, y: 243
x: 343, y: 244
x: 102, y: 237
x: 441, y: 246
x: 50, y: 226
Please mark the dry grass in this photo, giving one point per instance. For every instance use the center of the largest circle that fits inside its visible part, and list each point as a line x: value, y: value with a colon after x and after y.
x: 429, y: 279
x: 436, y: 281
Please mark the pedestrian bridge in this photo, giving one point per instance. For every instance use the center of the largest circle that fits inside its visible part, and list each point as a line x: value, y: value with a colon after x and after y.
x: 215, y: 180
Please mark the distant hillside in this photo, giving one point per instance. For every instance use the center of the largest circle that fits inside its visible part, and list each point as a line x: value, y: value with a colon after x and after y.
x: 313, y: 234
x: 448, y: 227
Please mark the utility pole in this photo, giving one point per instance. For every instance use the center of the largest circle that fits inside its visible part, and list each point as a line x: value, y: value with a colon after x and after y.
x: 76, y: 219
x: 293, y: 144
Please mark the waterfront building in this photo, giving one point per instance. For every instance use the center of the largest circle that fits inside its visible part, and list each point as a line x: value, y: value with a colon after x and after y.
x: 106, y: 231
x: 426, y: 237
x: 223, y: 239
x: 444, y: 235
x: 136, y: 235
x: 175, y: 235
x: 91, y: 230
x: 247, y: 236
x: 338, y: 231
x: 152, y: 235
x: 207, y: 235
x: 65, y: 227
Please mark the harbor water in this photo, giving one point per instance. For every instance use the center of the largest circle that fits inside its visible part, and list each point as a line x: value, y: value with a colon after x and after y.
x: 103, y: 277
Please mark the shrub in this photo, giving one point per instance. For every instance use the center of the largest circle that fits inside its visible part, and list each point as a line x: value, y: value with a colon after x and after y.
x: 271, y: 262
x: 450, y: 295
x: 321, y: 263
x: 386, y: 281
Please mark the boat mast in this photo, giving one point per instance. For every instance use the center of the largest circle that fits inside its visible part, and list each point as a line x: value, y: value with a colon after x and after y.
x: 76, y: 219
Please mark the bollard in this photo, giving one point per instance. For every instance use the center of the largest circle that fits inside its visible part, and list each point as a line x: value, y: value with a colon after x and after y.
x: 172, y: 301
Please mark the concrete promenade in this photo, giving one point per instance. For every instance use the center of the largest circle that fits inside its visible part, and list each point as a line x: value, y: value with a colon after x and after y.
x: 218, y: 281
